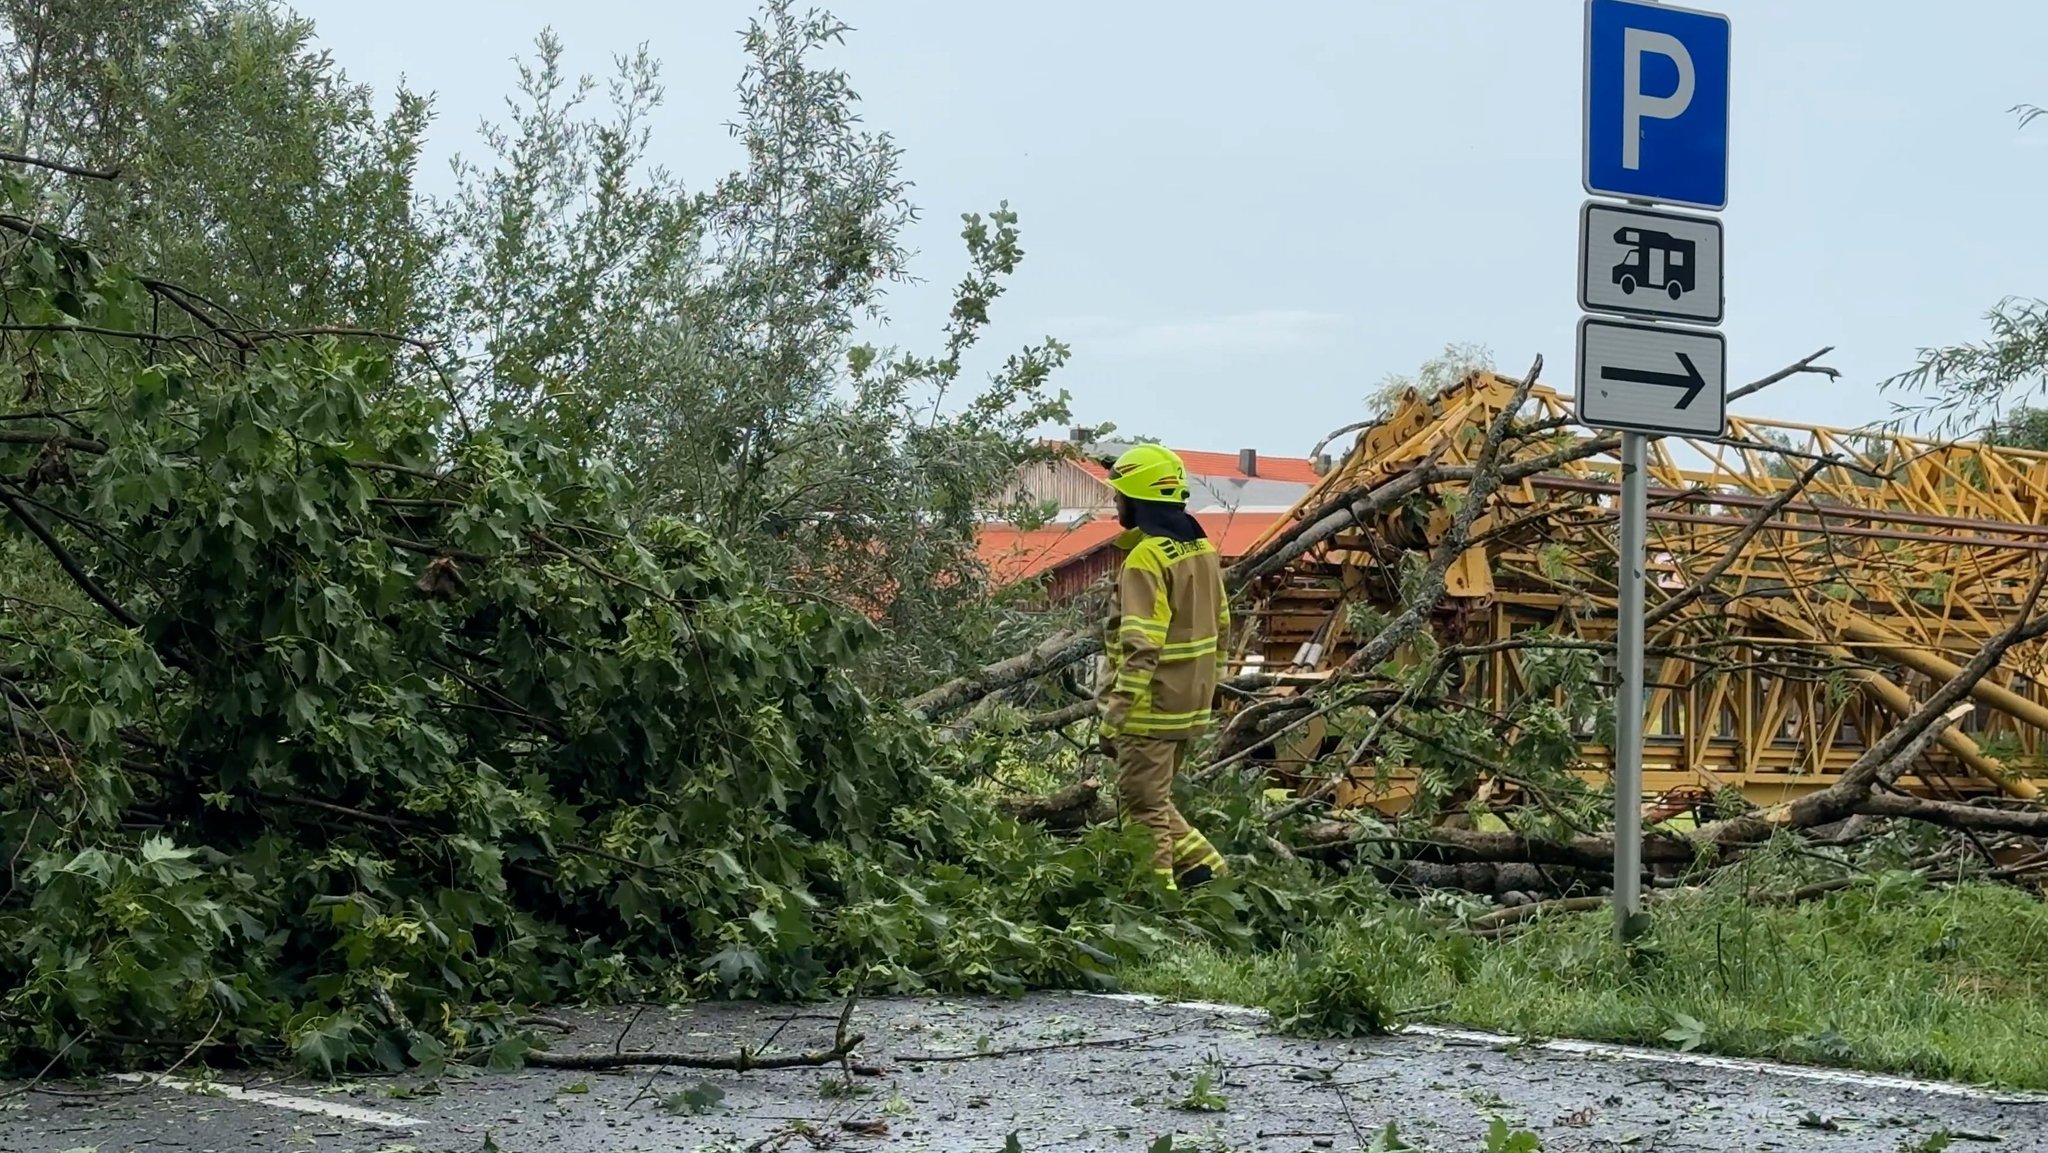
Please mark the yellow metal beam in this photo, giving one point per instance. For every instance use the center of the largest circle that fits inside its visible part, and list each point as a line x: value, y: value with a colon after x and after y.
x: 1909, y: 551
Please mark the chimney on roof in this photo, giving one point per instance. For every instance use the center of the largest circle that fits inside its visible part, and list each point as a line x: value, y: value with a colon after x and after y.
x: 1248, y: 461
x: 1322, y: 465
x: 1078, y: 435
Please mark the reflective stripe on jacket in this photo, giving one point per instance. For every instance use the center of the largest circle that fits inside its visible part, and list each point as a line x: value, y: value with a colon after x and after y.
x: 1166, y: 642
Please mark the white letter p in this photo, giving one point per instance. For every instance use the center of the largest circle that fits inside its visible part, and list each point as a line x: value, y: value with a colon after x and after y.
x: 1634, y: 104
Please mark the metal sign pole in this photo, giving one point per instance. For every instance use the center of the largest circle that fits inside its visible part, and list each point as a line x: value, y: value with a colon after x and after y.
x: 1648, y: 141
x: 1629, y: 697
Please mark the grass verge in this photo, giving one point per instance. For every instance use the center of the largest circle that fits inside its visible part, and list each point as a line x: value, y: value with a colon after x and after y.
x: 1892, y: 976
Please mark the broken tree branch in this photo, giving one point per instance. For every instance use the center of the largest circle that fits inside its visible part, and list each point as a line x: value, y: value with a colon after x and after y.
x: 1354, y: 426
x: 1075, y: 807
x: 1842, y: 798
x: 1051, y: 654
x: 1374, y: 696
x: 1329, y: 784
x: 1351, y: 508
x: 1061, y: 717
x: 1492, y: 924
x: 1956, y: 814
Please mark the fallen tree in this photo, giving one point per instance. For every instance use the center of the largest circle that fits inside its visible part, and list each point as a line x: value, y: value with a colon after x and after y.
x: 336, y: 731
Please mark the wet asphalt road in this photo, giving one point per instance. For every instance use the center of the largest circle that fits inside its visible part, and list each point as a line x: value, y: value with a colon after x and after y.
x: 1100, y: 1074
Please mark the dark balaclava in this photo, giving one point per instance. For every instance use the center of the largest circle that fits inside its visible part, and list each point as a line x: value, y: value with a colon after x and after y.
x: 1158, y: 518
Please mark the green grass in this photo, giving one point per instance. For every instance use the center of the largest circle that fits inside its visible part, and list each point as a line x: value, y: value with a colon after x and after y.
x: 1891, y: 976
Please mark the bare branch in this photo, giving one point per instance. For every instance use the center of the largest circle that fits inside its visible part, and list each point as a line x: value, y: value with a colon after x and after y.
x: 1446, y: 844
x: 1049, y: 1047
x: 1354, y: 426
x: 189, y: 304
x: 2032, y: 821
x: 69, y: 563
x: 1060, y: 718
x: 331, y: 330
x: 90, y: 330
x: 1803, y: 364
x: 60, y: 166
x: 1074, y: 807
x: 31, y: 436
x: 741, y: 1062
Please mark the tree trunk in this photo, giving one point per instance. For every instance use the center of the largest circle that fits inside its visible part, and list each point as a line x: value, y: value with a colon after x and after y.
x: 1070, y: 809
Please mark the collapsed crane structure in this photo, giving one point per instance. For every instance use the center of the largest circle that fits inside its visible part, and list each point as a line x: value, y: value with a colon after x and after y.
x: 1809, y: 586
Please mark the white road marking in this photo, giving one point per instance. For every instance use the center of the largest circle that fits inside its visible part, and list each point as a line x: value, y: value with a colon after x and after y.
x: 1649, y: 1056
x: 1204, y: 1006
x: 333, y: 1109
x: 1736, y: 1065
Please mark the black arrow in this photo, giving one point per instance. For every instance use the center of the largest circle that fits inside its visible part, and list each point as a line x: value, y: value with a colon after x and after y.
x: 1690, y: 380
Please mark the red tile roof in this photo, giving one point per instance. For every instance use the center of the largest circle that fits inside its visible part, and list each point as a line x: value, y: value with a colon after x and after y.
x: 1014, y: 555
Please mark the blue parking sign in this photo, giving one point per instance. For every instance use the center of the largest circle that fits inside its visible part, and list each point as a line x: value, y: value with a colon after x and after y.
x: 1656, y: 123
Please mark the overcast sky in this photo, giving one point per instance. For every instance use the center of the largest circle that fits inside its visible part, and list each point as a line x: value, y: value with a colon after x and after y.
x: 1242, y: 216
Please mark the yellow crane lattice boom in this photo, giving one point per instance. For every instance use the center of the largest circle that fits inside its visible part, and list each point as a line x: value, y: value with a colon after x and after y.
x: 1841, y: 574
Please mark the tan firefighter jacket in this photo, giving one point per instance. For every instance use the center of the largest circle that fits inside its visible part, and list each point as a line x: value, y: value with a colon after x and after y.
x: 1165, y: 642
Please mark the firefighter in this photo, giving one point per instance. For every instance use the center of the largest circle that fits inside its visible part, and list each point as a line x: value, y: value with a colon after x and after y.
x: 1165, y: 654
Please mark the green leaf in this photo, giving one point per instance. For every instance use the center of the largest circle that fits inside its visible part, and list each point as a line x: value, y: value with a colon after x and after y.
x: 328, y: 1043
x: 702, y: 1097
x: 1687, y: 1032
x: 1500, y: 1139
x: 508, y: 1052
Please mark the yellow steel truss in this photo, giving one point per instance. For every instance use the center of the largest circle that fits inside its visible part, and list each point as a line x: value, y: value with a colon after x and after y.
x: 1873, y: 583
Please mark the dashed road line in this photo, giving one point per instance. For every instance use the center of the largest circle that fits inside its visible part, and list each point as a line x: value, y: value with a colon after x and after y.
x: 1647, y: 1056
x: 333, y: 1109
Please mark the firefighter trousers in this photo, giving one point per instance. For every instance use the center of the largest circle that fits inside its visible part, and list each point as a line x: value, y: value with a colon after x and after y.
x: 1144, y: 786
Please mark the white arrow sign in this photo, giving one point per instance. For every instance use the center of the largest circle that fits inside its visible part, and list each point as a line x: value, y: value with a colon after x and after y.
x: 1651, y: 378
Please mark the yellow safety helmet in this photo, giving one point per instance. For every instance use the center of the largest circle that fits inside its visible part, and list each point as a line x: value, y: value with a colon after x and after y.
x: 1150, y: 472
